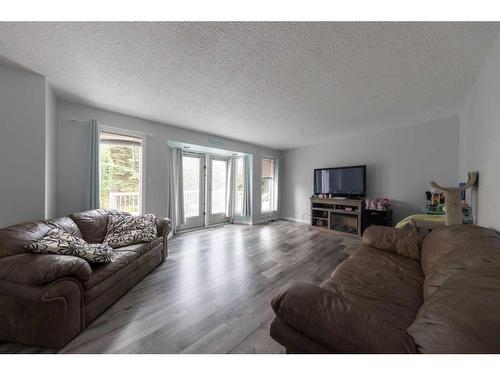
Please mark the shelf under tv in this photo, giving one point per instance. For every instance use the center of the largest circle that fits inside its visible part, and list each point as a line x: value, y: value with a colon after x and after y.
x: 346, y: 212
x: 338, y: 219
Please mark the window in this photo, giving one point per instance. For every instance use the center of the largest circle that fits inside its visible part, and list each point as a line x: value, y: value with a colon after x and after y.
x: 267, y: 185
x: 121, y: 172
x: 240, y: 186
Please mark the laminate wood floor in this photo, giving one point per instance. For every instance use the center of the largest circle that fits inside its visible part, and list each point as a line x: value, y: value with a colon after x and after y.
x: 213, y: 293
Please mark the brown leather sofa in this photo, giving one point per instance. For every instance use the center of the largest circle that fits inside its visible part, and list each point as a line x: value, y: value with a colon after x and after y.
x: 46, y: 300
x: 400, y: 294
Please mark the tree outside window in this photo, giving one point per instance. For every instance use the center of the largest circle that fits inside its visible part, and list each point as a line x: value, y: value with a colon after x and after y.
x: 120, y: 174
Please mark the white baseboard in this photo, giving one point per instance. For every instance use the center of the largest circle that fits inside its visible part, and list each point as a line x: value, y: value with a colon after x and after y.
x: 242, y: 221
x: 274, y: 218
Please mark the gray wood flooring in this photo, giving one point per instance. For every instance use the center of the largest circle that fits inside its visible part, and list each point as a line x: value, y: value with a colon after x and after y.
x: 213, y: 293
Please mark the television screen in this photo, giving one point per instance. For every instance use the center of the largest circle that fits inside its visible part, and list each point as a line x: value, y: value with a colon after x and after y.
x: 341, y: 182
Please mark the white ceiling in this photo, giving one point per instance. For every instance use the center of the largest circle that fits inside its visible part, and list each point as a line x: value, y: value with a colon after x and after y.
x: 280, y: 85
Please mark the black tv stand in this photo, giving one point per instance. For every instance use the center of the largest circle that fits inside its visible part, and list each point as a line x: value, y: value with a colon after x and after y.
x: 377, y: 217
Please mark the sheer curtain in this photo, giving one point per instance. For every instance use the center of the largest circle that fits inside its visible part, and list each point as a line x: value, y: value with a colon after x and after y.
x: 94, y: 201
x: 247, y: 210
x: 176, y: 190
x: 277, y: 173
x: 230, y: 186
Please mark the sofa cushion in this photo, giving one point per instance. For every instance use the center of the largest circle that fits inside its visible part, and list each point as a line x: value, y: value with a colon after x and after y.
x: 102, y: 271
x: 109, y: 290
x: 406, y: 243
x: 365, y: 306
x: 388, y: 285
x: 447, y: 239
x: 341, y: 325
x: 124, y: 230
x: 453, y: 249
x: 141, y: 248
x: 93, y: 224
x: 123, y: 256
x: 13, y: 239
x: 67, y: 224
x: 107, y: 277
x: 462, y: 316
x: 58, y: 241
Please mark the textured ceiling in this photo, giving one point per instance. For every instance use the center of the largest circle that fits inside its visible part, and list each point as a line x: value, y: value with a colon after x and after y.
x: 280, y: 85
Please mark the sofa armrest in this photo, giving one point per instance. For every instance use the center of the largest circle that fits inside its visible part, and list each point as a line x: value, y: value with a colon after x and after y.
x: 37, y: 269
x: 47, y: 315
x: 406, y: 243
x: 337, y: 323
x: 163, y: 228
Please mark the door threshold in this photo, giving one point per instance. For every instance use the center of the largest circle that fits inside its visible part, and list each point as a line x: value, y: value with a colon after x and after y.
x: 213, y: 226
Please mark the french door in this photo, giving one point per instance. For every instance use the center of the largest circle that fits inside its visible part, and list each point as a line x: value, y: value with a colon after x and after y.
x: 193, y: 174
x: 205, y: 190
x: 216, y: 190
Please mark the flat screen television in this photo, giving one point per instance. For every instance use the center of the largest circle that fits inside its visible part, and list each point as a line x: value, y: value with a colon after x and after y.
x: 341, y: 182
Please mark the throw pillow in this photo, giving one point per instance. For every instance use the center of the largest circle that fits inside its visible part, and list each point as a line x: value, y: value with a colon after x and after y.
x: 124, y: 230
x: 58, y: 241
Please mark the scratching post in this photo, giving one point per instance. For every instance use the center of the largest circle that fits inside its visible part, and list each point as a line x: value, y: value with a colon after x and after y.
x: 452, y: 203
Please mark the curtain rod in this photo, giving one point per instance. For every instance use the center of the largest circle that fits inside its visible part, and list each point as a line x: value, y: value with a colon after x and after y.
x: 111, y: 127
x: 269, y: 156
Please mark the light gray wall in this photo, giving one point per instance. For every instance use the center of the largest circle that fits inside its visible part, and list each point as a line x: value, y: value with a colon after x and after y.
x: 50, y: 152
x: 480, y: 140
x: 73, y: 172
x: 400, y: 165
x: 22, y: 145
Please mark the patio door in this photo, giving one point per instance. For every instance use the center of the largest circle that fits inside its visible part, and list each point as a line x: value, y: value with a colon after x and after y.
x: 193, y: 174
x: 216, y: 190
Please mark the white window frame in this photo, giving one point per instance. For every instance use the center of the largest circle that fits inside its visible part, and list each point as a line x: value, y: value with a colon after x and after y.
x: 142, y: 169
x: 272, y: 192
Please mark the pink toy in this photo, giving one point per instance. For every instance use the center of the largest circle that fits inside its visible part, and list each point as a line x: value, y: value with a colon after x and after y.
x: 379, y: 204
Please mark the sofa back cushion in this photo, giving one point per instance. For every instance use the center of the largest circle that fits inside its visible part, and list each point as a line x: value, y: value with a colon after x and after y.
x: 452, y: 249
x: 462, y: 316
x: 93, y: 224
x: 68, y: 225
x: 406, y: 243
x: 13, y: 239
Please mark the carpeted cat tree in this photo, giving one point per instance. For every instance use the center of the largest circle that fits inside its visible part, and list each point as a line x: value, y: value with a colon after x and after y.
x: 452, y: 202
